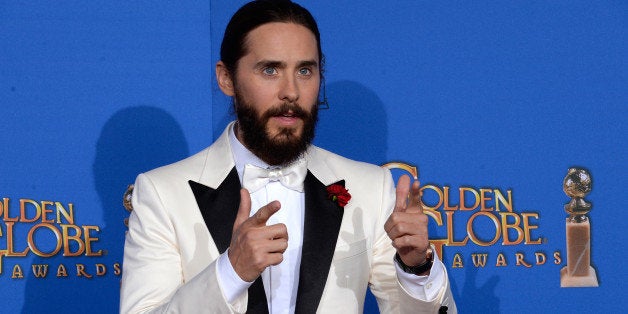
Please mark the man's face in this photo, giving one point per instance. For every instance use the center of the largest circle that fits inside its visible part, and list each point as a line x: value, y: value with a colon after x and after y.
x: 276, y: 91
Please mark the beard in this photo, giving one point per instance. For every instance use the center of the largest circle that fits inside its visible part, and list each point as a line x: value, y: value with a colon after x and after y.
x: 284, y: 147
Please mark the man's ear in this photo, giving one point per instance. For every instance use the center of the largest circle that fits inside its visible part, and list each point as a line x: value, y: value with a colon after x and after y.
x: 223, y: 77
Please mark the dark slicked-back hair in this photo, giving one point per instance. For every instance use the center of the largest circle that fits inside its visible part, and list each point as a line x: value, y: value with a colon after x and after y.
x: 255, y: 14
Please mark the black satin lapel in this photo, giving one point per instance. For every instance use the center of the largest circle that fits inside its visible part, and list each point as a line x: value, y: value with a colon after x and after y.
x: 320, y: 233
x: 219, y: 208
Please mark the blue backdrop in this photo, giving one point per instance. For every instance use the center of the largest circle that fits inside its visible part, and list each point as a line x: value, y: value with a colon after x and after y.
x: 478, y: 95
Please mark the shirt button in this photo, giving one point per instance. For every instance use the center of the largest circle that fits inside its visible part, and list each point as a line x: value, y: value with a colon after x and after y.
x: 429, y: 285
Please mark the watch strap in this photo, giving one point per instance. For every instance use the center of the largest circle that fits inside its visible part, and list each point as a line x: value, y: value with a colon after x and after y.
x: 416, y: 270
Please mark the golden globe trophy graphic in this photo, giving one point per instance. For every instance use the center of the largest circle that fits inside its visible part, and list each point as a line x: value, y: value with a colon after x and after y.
x: 578, y: 272
x: 126, y: 201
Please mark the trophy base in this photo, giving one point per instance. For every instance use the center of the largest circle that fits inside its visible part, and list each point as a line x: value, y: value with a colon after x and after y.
x: 589, y: 280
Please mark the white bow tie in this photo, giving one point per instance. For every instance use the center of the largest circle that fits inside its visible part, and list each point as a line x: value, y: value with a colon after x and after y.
x: 292, y: 177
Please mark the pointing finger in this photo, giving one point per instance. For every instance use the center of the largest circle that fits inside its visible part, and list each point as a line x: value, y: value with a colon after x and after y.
x: 261, y: 217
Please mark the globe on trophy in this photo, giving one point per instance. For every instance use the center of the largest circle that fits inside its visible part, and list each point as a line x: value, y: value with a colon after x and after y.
x: 578, y: 272
x: 126, y: 201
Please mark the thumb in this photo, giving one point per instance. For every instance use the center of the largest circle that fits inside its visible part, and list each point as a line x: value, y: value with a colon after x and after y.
x: 415, y: 195
x: 244, y: 210
x: 402, y: 192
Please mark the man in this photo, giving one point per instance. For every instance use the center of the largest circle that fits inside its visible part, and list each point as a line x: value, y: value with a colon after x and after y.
x: 263, y: 221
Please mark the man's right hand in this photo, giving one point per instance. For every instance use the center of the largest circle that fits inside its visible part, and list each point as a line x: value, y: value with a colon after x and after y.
x: 254, y: 245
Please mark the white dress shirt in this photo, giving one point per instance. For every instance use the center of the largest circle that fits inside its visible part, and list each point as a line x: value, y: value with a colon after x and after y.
x: 281, y: 282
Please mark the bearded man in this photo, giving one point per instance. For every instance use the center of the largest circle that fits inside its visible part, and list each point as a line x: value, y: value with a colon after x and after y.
x: 262, y: 221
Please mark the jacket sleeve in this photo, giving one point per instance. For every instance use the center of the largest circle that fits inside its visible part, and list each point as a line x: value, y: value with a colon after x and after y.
x: 391, y: 296
x: 152, y: 278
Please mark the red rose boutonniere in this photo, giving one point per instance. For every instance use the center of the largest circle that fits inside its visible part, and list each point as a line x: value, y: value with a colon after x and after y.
x: 338, y: 194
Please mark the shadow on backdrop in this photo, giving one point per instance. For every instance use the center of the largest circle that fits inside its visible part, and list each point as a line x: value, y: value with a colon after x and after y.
x: 474, y: 298
x: 133, y: 140
x: 355, y: 125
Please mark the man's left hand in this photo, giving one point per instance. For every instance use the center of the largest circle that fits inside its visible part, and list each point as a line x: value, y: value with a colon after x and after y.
x: 407, y: 225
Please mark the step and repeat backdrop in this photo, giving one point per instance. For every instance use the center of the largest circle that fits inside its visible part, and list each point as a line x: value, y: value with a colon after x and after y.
x: 512, y: 114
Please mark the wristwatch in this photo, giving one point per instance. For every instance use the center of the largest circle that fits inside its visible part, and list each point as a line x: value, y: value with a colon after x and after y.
x: 419, y: 269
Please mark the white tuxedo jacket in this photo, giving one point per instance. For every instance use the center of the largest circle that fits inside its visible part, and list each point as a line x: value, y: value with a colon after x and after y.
x: 182, y: 220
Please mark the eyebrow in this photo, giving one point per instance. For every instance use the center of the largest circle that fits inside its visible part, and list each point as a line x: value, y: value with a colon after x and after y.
x: 308, y: 63
x: 282, y: 65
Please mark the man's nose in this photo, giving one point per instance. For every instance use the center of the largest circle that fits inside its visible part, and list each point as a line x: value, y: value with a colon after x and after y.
x: 289, y: 90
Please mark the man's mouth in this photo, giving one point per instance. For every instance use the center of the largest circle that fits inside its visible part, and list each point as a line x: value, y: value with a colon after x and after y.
x: 287, y: 115
x: 287, y: 118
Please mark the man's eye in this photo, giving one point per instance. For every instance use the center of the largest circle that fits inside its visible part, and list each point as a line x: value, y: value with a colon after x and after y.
x: 305, y: 71
x: 269, y: 71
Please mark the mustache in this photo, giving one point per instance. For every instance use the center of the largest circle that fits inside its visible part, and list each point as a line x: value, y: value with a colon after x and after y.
x: 286, y: 109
